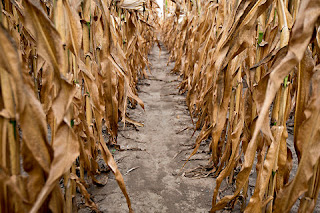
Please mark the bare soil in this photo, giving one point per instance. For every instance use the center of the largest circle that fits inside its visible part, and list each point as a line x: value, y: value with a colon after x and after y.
x: 156, y: 152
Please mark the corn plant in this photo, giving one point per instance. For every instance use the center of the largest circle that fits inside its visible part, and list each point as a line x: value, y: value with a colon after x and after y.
x: 67, y: 69
x: 247, y: 66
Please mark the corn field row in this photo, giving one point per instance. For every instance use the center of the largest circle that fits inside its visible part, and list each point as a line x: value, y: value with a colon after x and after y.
x: 248, y: 67
x: 68, y: 68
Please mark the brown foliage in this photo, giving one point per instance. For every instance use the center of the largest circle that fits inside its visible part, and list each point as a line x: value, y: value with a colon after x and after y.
x: 238, y: 58
x: 67, y: 69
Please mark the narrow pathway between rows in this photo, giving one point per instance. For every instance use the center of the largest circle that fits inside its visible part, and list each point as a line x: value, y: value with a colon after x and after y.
x: 151, y: 173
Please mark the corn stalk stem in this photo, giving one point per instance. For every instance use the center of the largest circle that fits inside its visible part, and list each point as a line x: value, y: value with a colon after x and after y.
x: 282, y: 97
x: 309, y: 196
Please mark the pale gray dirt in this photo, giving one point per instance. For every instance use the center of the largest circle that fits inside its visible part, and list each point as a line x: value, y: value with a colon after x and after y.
x: 156, y: 185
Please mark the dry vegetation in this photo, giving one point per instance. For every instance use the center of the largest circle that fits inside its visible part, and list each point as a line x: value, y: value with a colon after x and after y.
x: 68, y: 69
x: 248, y: 67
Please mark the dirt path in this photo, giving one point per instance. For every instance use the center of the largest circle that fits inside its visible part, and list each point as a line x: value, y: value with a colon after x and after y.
x: 154, y: 185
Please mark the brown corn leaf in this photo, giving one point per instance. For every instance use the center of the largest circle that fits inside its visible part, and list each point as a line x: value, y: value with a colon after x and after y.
x: 107, y: 156
x: 74, y: 29
x: 84, y: 192
x: 48, y: 38
x: 66, y: 150
x: 255, y: 204
x: 309, y: 132
x: 305, y: 72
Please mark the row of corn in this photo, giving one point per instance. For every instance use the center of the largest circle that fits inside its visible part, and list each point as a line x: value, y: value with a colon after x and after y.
x: 68, y: 69
x: 249, y: 69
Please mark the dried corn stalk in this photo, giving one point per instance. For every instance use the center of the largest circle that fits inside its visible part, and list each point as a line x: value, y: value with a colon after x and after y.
x: 67, y: 69
x: 238, y: 58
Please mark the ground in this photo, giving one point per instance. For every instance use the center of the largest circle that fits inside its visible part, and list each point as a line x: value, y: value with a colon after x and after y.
x: 156, y: 184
